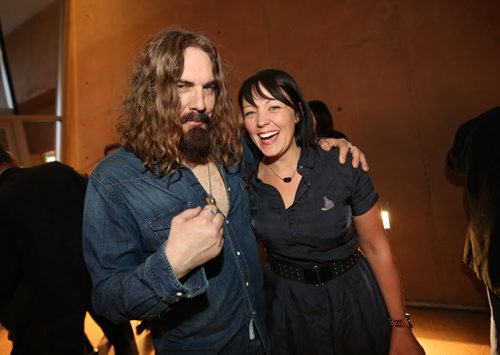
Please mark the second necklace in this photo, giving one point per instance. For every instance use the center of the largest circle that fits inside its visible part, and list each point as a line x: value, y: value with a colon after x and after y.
x: 210, y: 199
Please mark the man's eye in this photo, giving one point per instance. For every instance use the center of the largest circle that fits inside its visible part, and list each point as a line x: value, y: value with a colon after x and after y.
x: 182, y: 86
x: 211, y: 89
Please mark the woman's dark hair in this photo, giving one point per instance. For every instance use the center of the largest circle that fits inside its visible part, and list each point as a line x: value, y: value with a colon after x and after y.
x: 282, y: 87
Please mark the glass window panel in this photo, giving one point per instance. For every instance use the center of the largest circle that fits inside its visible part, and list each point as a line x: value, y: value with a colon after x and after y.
x: 31, y: 42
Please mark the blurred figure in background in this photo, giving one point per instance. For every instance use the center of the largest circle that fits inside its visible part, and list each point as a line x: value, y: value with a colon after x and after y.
x: 44, y: 284
x: 476, y: 154
x: 323, y: 121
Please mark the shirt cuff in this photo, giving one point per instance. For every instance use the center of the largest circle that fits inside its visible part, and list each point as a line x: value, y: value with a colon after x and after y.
x: 166, y: 284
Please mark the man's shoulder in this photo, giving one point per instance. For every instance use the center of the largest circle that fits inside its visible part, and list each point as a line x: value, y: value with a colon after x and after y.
x: 121, y: 166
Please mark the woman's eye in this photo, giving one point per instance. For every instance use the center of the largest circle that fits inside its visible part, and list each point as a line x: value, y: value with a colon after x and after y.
x: 248, y: 113
x: 274, y: 108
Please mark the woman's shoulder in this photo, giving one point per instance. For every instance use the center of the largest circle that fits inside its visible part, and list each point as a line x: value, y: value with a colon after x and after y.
x: 331, y: 158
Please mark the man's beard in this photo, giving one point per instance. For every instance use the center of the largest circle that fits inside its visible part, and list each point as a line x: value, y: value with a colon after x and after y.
x: 195, y: 145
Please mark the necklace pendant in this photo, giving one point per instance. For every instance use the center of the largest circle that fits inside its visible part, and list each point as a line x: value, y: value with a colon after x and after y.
x: 210, y: 200
x: 287, y: 179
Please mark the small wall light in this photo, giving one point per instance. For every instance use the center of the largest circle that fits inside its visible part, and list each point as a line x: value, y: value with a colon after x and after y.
x: 384, y: 205
x: 49, y: 156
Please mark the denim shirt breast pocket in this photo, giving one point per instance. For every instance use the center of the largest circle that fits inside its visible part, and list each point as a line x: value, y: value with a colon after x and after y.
x: 161, y: 222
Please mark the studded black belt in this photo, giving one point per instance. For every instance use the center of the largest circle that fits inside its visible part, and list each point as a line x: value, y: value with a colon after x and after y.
x: 316, y: 275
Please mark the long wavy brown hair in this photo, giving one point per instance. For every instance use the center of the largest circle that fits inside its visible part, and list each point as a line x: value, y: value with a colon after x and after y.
x: 151, y: 127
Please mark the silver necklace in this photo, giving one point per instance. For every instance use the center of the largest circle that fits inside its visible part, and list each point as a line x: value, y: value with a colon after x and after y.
x: 210, y: 199
x: 286, y: 179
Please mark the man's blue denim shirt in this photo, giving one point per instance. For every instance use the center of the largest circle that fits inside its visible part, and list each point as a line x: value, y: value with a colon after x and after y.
x: 127, y: 218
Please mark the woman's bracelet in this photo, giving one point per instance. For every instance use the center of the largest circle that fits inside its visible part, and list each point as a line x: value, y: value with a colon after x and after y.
x: 401, y: 323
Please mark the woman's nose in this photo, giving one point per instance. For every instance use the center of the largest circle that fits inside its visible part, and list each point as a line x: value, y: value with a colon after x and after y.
x: 262, y: 119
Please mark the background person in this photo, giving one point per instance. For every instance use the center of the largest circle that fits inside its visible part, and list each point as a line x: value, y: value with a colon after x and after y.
x: 44, y: 285
x: 323, y: 121
x: 476, y: 154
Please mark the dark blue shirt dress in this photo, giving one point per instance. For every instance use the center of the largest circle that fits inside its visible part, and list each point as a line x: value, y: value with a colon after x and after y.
x: 347, y: 315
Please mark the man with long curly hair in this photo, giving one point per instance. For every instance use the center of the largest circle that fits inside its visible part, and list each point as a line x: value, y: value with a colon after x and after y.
x: 167, y: 233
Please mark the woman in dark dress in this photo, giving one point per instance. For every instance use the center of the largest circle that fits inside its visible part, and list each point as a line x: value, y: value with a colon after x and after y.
x: 311, y: 213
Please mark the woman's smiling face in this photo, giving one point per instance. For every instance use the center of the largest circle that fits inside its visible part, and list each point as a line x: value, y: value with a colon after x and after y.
x: 270, y: 124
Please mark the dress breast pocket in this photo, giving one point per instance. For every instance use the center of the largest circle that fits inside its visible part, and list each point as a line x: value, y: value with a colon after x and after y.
x: 328, y: 215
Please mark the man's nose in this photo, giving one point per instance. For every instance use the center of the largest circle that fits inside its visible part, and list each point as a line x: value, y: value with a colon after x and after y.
x: 197, y: 100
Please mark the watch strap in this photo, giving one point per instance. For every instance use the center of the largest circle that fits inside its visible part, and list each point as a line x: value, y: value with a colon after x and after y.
x: 401, y: 323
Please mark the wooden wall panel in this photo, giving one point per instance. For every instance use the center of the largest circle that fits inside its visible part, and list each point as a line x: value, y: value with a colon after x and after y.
x: 400, y: 77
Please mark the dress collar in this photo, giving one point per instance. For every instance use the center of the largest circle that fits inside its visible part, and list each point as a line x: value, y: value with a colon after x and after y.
x: 306, y: 160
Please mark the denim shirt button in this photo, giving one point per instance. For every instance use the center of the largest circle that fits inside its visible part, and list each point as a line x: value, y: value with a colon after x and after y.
x: 238, y: 253
x: 227, y: 221
x: 179, y: 294
x: 228, y: 189
x: 247, y: 283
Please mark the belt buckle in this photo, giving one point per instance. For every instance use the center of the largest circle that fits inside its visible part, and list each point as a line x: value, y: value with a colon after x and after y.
x: 318, y: 276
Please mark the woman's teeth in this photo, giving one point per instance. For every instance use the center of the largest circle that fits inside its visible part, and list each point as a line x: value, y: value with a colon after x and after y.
x: 268, y: 135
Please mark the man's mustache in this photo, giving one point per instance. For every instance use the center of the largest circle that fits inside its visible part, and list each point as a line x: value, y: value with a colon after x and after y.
x: 195, y: 117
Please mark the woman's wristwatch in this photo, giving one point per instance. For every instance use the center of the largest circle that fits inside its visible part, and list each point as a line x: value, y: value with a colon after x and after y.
x: 401, y: 323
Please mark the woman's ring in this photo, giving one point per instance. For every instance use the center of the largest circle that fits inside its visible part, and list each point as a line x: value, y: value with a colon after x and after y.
x: 210, y: 210
x: 349, y: 146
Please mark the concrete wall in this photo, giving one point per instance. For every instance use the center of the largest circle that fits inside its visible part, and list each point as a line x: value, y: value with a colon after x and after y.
x: 399, y: 76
